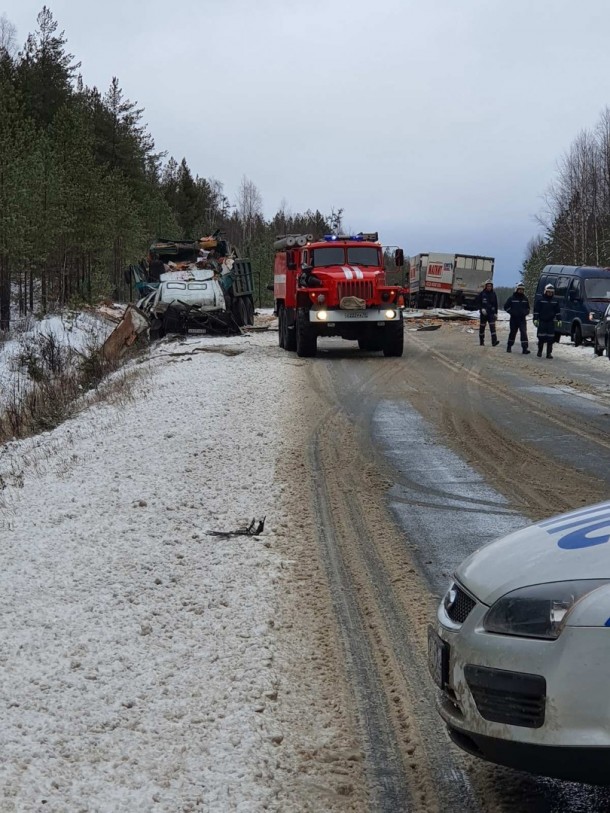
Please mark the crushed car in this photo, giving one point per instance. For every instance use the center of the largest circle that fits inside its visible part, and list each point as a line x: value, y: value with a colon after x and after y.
x: 194, y: 287
x: 189, y: 300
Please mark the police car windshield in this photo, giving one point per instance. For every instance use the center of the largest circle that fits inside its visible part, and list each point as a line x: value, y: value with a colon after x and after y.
x: 598, y: 288
x: 362, y: 255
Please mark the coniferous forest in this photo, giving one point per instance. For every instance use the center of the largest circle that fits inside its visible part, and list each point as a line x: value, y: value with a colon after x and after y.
x: 84, y: 189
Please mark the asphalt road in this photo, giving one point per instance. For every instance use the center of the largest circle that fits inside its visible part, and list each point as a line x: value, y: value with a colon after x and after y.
x: 413, y: 464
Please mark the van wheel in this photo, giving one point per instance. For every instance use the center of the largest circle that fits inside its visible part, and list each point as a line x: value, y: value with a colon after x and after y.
x: 599, y: 351
x: 577, y: 335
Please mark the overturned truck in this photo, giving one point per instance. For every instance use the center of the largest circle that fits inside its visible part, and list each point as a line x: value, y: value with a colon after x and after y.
x: 194, y: 287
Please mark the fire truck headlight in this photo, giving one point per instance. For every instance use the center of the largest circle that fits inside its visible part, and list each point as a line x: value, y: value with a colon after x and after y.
x: 390, y: 314
x: 322, y: 316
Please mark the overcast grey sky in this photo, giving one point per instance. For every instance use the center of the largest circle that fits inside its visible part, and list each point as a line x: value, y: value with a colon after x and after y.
x: 438, y: 123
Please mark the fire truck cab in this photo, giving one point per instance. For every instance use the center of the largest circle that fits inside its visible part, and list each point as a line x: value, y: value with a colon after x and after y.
x: 336, y: 286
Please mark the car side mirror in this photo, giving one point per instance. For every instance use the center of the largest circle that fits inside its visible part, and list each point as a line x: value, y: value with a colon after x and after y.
x: 399, y: 258
x: 306, y: 268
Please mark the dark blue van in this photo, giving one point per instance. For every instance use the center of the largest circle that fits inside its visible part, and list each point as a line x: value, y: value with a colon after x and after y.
x: 583, y: 291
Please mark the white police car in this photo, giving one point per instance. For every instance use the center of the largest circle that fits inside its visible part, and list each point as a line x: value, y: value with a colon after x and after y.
x: 521, y: 650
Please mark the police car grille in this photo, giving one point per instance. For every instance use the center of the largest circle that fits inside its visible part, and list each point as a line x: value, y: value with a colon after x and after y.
x: 461, y: 607
x: 512, y: 698
x: 360, y: 288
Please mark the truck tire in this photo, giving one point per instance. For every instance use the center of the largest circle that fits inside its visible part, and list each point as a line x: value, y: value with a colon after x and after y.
x: 306, y: 338
x: 243, y: 311
x: 290, y: 336
x: 370, y: 343
x: 393, y: 339
x: 281, y: 318
x: 250, y: 310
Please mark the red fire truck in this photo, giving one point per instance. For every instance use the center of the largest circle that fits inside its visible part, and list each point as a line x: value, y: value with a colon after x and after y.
x: 336, y: 286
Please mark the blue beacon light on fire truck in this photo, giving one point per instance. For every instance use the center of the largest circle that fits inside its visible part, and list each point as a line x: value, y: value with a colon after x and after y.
x: 329, y: 238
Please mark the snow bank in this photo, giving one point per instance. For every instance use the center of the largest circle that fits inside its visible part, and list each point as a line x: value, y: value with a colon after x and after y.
x: 139, y: 654
x: 75, y: 332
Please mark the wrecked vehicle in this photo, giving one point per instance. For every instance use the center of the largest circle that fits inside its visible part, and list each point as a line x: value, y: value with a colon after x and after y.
x: 182, y: 279
x: 190, y: 300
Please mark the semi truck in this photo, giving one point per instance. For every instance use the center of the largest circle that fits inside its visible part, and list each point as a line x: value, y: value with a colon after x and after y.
x: 441, y: 280
x: 336, y: 286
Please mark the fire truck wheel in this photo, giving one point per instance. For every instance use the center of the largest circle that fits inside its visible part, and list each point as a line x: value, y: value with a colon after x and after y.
x: 393, y: 340
x: 372, y: 343
x: 290, y: 336
x: 306, y: 336
x: 281, y: 318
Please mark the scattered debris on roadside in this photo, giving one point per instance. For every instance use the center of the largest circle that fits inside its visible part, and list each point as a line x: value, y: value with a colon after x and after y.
x: 131, y: 326
x: 253, y: 529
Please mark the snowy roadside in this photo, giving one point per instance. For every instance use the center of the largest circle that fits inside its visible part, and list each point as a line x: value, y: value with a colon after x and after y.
x: 147, y: 665
x: 76, y: 333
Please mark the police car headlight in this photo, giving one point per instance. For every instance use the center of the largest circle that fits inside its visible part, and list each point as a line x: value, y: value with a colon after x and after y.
x: 538, y: 611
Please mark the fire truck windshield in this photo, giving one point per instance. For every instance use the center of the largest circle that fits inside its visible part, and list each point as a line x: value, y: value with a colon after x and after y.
x: 362, y: 255
x: 335, y: 255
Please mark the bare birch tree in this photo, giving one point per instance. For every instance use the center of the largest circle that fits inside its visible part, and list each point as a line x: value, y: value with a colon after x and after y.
x: 249, y: 205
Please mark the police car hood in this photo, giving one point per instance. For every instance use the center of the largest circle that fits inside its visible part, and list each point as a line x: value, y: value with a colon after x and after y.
x: 575, y: 545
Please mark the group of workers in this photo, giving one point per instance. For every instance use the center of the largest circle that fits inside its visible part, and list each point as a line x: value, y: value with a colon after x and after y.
x: 546, y: 316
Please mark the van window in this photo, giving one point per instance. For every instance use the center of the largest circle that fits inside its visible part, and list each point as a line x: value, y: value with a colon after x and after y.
x: 562, y: 286
x: 576, y: 289
x: 546, y: 279
x: 198, y: 286
x: 180, y: 285
x: 598, y: 288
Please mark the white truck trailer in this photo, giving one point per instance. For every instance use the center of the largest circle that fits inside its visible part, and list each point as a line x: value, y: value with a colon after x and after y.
x: 441, y: 280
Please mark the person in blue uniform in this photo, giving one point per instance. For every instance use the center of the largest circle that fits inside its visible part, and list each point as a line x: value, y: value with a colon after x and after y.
x: 518, y: 306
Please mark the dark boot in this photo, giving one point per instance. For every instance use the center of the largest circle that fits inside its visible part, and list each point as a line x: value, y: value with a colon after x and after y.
x: 525, y: 351
x: 494, y: 340
x: 481, y: 341
x: 540, y: 346
x: 509, y: 348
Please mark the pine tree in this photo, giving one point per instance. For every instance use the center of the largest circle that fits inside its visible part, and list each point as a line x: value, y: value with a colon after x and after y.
x: 45, y: 71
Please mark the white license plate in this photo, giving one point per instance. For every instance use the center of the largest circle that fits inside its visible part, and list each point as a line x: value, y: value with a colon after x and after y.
x: 438, y: 659
x: 356, y: 315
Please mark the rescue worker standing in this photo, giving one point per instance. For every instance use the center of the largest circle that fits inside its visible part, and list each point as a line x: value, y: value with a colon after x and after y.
x: 487, y: 303
x: 518, y: 307
x: 546, y: 314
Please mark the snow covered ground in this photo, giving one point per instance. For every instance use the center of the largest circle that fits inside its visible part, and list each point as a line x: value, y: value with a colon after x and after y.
x: 75, y: 332
x: 145, y: 664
